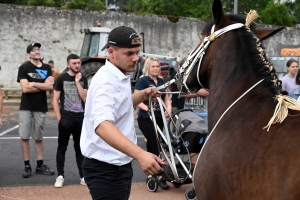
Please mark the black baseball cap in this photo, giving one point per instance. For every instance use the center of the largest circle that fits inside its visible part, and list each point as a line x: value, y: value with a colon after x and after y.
x: 122, y: 36
x: 30, y: 47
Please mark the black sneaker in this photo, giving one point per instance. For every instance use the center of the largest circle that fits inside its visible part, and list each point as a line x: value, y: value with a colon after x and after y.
x: 27, y: 172
x: 44, y: 169
x: 163, y: 184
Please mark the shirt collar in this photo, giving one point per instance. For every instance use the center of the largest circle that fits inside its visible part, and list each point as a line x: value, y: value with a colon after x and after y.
x: 116, y: 71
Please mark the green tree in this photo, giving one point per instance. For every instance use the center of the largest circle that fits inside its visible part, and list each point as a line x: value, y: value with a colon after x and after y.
x: 294, y: 9
x: 96, y: 5
x: 77, y: 4
x: 185, y: 8
x: 277, y: 14
x: 56, y: 3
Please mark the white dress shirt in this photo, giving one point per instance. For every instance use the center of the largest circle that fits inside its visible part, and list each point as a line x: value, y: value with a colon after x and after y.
x: 109, y: 99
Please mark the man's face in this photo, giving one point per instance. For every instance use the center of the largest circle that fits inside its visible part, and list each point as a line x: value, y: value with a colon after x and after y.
x: 51, y: 65
x: 35, y: 53
x: 74, y: 65
x: 124, y: 58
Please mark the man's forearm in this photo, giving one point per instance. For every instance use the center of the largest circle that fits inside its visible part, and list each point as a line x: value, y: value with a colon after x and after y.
x: 138, y: 97
x: 82, y: 92
x: 43, y: 86
x: 56, y: 109
x: 30, y: 89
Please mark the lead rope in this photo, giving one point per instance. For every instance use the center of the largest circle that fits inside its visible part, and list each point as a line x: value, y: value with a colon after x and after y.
x: 167, y: 141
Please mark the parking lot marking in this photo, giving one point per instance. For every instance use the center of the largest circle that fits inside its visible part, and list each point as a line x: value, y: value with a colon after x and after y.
x: 8, y: 130
x: 53, y: 137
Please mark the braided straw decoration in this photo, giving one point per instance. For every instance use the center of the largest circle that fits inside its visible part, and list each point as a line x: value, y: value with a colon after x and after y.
x: 281, y: 111
x: 251, y: 16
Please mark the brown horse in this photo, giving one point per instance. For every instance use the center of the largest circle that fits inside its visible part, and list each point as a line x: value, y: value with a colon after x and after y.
x: 242, y: 160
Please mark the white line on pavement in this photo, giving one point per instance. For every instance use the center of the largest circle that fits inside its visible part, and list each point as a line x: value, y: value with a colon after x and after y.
x: 53, y: 137
x: 8, y: 130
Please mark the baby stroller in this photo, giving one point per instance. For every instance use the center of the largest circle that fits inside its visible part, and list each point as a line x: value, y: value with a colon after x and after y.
x: 176, y: 148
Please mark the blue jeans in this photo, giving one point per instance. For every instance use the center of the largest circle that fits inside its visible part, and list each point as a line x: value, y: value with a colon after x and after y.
x: 106, y: 181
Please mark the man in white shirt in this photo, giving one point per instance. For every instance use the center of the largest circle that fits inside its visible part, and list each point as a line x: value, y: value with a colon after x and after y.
x: 108, y: 138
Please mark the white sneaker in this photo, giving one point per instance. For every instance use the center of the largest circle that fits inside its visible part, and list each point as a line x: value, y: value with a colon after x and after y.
x: 82, y: 182
x: 59, y: 181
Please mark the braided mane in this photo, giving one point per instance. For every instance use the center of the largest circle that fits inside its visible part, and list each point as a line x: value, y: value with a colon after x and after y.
x: 261, y: 65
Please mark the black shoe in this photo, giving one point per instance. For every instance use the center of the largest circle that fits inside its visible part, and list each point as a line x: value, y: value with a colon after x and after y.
x: 27, y: 172
x: 44, y: 169
x: 163, y: 184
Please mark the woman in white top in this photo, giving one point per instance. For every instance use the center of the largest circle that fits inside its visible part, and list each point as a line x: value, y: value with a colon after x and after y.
x: 288, y: 81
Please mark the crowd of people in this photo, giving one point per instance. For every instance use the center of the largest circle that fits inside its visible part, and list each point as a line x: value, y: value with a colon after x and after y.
x: 101, y: 121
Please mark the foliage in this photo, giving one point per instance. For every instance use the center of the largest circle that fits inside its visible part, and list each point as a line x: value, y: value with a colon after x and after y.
x: 271, y: 12
x: 97, y: 5
x: 56, y: 3
x: 244, y: 6
x: 185, y: 8
x: 294, y: 9
x: 77, y: 4
x: 277, y: 14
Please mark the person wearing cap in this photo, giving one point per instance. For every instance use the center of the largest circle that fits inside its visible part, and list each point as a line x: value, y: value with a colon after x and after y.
x: 70, y: 89
x: 35, y: 78
x: 108, y: 139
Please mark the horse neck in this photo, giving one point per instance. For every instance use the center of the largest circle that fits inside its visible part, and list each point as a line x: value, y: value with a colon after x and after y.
x: 229, y: 83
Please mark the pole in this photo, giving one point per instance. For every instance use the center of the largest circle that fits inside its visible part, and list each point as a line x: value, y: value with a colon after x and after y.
x: 235, y: 7
x: 106, y: 2
x: 142, y: 33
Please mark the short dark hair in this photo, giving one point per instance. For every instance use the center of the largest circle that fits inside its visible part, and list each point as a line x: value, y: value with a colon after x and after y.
x: 51, y: 61
x: 72, y: 56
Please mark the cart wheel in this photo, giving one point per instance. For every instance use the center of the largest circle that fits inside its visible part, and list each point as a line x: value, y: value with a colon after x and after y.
x: 152, y: 184
x: 177, y: 185
x: 190, y: 194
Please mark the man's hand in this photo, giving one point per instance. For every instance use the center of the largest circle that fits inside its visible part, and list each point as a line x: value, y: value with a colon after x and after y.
x: 49, y: 79
x: 31, y: 84
x: 58, y: 117
x: 149, y: 91
x: 78, y: 77
x: 203, y: 92
x: 150, y: 163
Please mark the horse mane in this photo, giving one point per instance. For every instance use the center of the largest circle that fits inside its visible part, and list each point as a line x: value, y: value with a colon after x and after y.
x: 261, y: 65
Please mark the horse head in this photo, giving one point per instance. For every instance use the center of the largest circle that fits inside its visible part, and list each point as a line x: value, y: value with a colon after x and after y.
x: 197, y: 70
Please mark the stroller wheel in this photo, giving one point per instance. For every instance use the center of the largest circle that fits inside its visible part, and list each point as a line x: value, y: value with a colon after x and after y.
x: 152, y: 184
x: 190, y: 194
x: 177, y: 185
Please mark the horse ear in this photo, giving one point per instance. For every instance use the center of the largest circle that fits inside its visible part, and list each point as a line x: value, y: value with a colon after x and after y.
x: 263, y: 34
x: 219, y: 17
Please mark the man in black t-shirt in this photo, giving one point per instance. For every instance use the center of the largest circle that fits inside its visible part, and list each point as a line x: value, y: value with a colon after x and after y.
x: 70, y: 89
x: 35, y: 78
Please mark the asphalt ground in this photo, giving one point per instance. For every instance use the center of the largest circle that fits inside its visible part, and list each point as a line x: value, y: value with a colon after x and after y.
x: 13, y: 186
